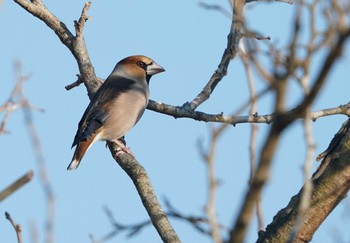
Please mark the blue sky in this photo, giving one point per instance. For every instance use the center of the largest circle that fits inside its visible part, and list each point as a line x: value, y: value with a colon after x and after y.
x: 188, y: 42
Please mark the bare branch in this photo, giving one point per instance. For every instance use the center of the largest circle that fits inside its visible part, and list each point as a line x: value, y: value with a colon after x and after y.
x: 12, y: 104
x: 215, y: 7
x: 80, y: 24
x: 149, y: 199
x: 324, y: 198
x: 342, y: 109
x: 210, y: 208
x: 178, y: 112
x: 250, y: 34
x: 282, y: 120
x: 133, y: 229
x: 305, y: 83
x: 230, y: 52
x: 308, y: 186
x: 254, y: 130
x: 75, y: 44
x: 9, y: 107
x: 324, y: 71
x: 74, y: 84
x: 17, y: 227
x: 35, y: 141
x: 16, y: 185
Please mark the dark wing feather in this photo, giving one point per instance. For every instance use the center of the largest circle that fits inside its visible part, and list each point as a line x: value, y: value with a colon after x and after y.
x: 97, y: 112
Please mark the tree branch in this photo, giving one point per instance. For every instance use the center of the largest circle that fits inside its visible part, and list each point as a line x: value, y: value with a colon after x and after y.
x: 40, y: 160
x: 17, y: 227
x: 331, y: 183
x: 230, y: 52
x: 282, y: 120
x: 76, y: 45
x: 208, y: 157
x: 179, y: 112
x: 148, y: 197
x: 254, y: 130
x: 16, y: 185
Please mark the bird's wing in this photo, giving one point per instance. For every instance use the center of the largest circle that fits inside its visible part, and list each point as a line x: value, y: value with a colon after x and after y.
x: 98, y: 110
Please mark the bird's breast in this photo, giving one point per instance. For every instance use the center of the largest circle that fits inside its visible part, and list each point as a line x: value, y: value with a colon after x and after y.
x: 124, y: 112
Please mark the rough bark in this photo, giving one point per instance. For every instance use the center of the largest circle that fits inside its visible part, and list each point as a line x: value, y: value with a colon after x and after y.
x: 331, y: 183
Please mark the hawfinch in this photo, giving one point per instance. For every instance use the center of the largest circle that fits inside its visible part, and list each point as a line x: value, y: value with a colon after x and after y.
x: 117, y: 105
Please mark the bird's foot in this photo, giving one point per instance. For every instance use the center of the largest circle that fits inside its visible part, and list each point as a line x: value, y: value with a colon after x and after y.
x: 121, y: 151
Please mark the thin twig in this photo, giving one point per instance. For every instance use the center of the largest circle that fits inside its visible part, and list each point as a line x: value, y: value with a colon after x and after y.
x: 208, y: 156
x: 17, y: 227
x: 35, y: 141
x: 254, y: 130
x: 230, y: 52
x: 80, y: 24
x: 216, y: 7
x: 78, y: 82
x: 178, y: 112
x: 12, y: 104
x: 132, y: 229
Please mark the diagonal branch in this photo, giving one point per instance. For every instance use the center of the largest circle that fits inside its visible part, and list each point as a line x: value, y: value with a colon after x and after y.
x: 148, y: 197
x: 282, y: 121
x: 16, y: 185
x: 331, y: 184
x: 230, y: 52
x: 76, y: 45
x: 16, y: 227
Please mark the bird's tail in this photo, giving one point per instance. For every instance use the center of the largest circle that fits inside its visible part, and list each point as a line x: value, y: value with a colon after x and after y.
x: 80, y: 150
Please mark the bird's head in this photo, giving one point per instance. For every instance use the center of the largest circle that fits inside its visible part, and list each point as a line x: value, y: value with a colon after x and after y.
x: 138, y: 67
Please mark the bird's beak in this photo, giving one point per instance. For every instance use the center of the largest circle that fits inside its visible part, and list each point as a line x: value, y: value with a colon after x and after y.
x: 154, y: 68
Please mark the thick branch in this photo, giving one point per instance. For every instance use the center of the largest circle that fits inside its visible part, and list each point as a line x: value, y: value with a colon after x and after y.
x: 149, y: 199
x: 76, y: 45
x: 282, y: 121
x: 331, y: 183
x: 39, y: 10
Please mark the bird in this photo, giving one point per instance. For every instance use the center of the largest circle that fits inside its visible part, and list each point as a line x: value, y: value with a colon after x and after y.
x: 116, y: 106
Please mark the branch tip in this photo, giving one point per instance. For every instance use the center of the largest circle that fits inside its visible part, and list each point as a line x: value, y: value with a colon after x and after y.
x: 74, y: 84
x: 80, y: 24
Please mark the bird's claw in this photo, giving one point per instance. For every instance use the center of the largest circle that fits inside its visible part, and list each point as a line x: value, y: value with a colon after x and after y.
x: 122, y: 150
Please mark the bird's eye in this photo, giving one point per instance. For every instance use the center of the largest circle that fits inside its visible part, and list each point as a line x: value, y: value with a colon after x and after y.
x: 141, y: 64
